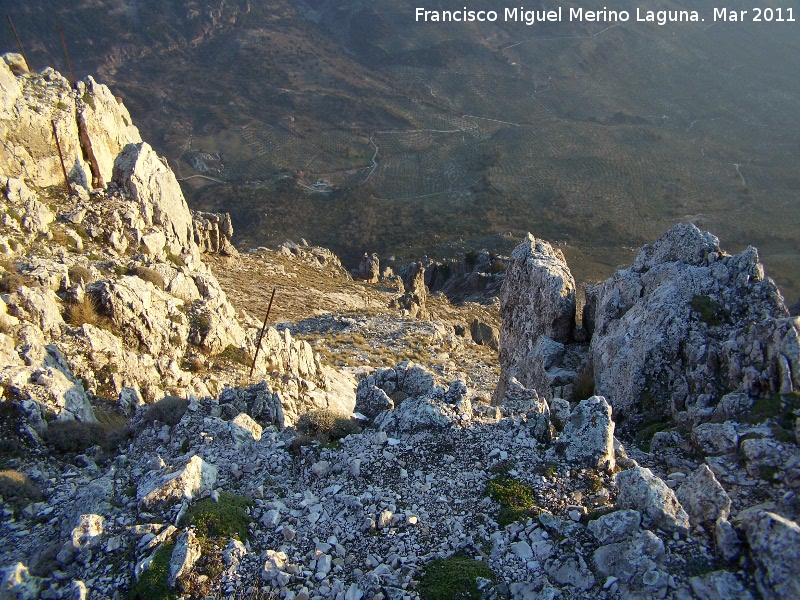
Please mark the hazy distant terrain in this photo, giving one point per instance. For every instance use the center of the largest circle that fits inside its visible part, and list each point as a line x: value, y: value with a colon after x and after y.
x: 435, y: 138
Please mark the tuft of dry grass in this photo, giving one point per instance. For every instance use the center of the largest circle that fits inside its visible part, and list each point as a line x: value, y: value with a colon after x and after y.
x: 85, y: 311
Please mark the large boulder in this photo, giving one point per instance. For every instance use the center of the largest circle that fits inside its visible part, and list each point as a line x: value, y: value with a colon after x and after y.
x: 687, y: 324
x: 774, y: 543
x: 537, y: 299
x: 639, y: 489
x: 588, y: 437
x: 703, y: 498
x: 158, y: 491
x: 418, y: 403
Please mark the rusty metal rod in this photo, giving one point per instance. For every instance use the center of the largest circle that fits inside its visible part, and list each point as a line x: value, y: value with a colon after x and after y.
x: 16, y: 37
x: 60, y: 156
x: 66, y: 53
x: 261, y: 335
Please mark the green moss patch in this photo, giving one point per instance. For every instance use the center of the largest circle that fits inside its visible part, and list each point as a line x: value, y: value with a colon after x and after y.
x: 152, y: 584
x: 453, y: 578
x: 780, y: 408
x: 708, y: 310
x: 224, y: 519
x: 516, y: 499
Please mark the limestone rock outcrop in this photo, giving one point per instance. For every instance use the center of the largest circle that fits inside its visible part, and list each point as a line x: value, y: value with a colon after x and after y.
x: 687, y: 324
x: 315, y: 256
x: 89, y: 122
x: 105, y: 126
x: 213, y: 232
x: 416, y: 294
x: 369, y: 269
x: 537, y: 300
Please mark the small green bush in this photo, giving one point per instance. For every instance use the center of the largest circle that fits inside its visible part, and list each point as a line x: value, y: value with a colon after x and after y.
x: 498, y: 266
x: 11, y: 419
x: 176, y: 260
x: 237, y: 355
x: 150, y: 275
x: 453, y: 578
x: 648, y: 429
x: 778, y: 407
x: 17, y: 489
x: 168, y: 410
x: 71, y: 437
x: 516, y: 499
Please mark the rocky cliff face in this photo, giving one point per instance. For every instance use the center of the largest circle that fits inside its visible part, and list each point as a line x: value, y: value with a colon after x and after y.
x: 107, y: 287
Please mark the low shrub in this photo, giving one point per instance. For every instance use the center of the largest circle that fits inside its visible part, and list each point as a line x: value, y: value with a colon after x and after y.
x: 17, y: 489
x: 176, y: 260
x: 168, y: 410
x: 215, y: 524
x: 11, y: 282
x: 152, y: 584
x: 584, y: 386
x: 71, y: 437
x: 79, y: 273
x: 237, y: 355
x: 708, y: 310
x: 326, y: 425
x: 220, y: 520
x: 150, y: 275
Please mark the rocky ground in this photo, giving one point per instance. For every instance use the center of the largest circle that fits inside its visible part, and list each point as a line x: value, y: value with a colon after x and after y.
x: 390, y: 444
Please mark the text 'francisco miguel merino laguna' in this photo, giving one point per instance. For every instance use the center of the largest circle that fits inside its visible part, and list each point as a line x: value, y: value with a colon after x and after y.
x: 660, y: 17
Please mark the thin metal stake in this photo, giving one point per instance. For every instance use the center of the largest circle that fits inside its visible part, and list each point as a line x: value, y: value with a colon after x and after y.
x: 261, y: 335
x: 66, y: 53
x: 16, y: 37
x: 60, y: 156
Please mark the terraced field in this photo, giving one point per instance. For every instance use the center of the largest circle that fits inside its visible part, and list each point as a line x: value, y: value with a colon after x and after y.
x: 355, y: 127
